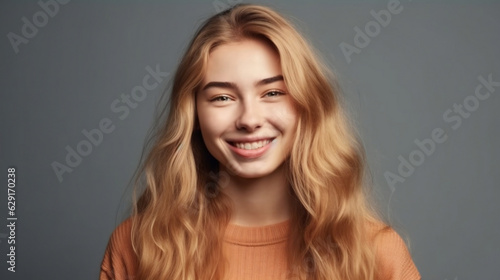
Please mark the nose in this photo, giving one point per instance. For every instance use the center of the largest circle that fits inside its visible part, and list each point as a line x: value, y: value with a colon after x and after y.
x: 250, y: 117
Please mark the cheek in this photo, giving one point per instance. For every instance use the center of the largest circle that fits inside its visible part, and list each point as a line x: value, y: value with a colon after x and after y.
x: 212, y: 123
x: 284, y: 117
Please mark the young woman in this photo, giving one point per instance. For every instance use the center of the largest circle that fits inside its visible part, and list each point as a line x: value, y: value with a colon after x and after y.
x: 256, y: 173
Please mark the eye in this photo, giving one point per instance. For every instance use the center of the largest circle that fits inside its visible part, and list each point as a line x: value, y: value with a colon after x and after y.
x: 274, y: 93
x: 220, y: 98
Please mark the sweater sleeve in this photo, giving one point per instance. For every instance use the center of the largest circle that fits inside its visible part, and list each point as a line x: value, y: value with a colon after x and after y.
x: 119, y: 261
x: 394, y: 261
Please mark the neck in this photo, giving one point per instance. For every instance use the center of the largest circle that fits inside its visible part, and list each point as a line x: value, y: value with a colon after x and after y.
x: 259, y: 201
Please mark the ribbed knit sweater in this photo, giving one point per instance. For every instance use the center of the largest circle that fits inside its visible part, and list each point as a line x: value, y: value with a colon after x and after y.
x: 257, y: 253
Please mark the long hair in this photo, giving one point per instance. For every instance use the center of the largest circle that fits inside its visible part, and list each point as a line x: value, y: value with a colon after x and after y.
x: 180, y: 217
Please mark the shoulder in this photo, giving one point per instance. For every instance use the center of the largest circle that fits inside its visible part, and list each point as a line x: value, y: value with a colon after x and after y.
x: 120, y: 261
x: 393, y: 259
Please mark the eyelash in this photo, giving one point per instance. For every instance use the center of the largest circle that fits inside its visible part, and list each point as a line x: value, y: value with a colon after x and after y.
x: 276, y: 91
x: 218, y: 98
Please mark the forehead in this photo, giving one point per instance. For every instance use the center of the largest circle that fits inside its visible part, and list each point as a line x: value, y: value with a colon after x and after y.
x: 249, y: 59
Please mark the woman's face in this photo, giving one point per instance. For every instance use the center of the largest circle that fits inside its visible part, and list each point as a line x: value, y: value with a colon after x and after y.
x: 247, y: 118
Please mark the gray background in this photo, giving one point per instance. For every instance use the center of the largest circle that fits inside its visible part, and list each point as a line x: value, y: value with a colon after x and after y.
x: 398, y: 87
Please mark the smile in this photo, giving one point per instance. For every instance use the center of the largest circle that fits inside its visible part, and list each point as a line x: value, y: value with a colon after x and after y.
x: 251, y: 149
x: 251, y: 145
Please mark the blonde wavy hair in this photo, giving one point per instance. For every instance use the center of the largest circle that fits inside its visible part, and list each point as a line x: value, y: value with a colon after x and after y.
x: 180, y: 216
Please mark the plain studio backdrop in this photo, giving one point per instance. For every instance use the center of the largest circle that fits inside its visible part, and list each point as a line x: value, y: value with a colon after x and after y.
x: 80, y: 80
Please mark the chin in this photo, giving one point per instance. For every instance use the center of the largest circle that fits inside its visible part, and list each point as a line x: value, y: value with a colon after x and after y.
x: 255, y: 173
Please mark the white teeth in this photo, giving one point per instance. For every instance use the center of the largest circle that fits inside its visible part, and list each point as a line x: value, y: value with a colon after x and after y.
x: 252, y: 145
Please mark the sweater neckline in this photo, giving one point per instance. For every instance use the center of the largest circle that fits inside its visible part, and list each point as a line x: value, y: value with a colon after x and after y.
x: 257, y: 236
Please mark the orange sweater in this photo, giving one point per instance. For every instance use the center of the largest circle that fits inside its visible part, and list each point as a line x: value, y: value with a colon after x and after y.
x: 256, y: 253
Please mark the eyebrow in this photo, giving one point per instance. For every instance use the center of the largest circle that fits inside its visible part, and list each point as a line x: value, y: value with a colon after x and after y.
x: 230, y: 85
